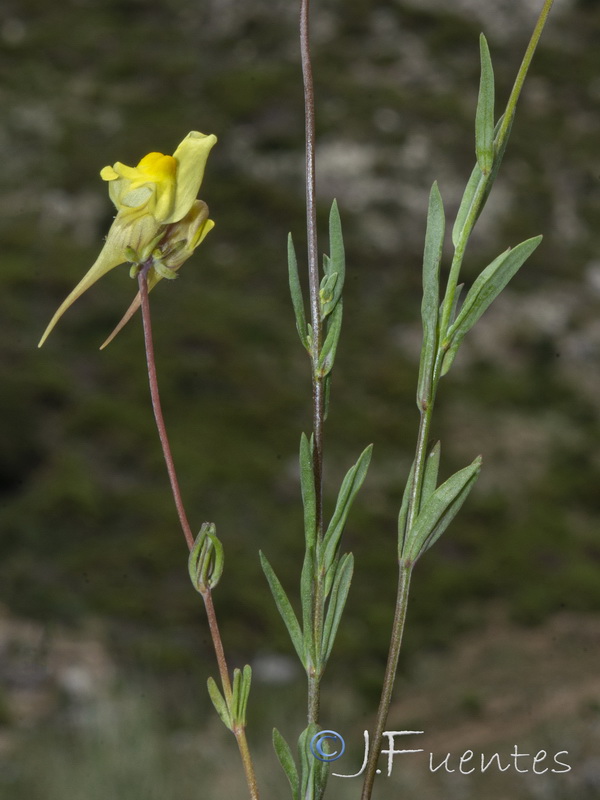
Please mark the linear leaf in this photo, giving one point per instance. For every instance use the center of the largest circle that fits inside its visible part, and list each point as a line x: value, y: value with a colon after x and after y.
x: 336, y: 263
x: 473, y: 187
x: 328, y: 351
x: 484, y: 116
x: 484, y: 291
x: 296, y: 293
x: 430, y: 477
x: 403, y: 515
x: 284, y: 607
x: 337, y: 601
x: 434, y: 511
x: 307, y: 486
x: 350, y: 485
x: 306, y: 598
x: 432, y: 256
x: 451, y: 512
x: 219, y: 703
x: 286, y: 759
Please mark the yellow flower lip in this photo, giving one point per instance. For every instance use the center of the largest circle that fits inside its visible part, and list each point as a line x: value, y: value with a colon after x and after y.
x: 159, y: 192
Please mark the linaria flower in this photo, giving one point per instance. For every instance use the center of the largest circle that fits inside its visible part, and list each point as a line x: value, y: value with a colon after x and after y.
x: 159, y: 221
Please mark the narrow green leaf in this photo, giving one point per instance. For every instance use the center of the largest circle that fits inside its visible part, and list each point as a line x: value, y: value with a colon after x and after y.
x: 307, y: 485
x: 449, y: 515
x: 434, y: 510
x: 286, y: 759
x: 432, y: 256
x: 403, y: 515
x: 296, y: 293
x: 307, y: 763
x: 484, y: 291
x: 284, y: 607
x: 337, y: 261
x: 307, y: 582
x: 474, y: 190
x: 219, y: 703
x: 350, y: 485
x: 484, y: 116
x: 430, y: 477
x: 337, y: 601
x: 313, y: 773
x: 334, y: 327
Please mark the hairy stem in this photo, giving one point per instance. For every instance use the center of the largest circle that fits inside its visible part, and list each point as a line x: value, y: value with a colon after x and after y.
x: 239, y: 732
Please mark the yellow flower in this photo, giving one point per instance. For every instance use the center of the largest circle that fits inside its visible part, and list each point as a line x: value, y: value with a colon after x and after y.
x: 156, y: 208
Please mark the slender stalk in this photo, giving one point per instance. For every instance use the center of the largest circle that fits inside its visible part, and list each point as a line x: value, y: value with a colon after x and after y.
x: 318, y: 387
x: 239, y: 732
x: 390, y: 675
x: 157, y: 408
x: 523, y: 69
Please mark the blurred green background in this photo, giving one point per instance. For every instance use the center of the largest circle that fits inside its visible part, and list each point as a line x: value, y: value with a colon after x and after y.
x: 104, y: 650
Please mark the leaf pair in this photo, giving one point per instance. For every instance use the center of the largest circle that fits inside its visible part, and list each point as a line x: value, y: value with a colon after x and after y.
x: 320, y: 557
x: 330, y: 295
x: 438, y: 506
x: 310, y: 782
x: 232, y: 711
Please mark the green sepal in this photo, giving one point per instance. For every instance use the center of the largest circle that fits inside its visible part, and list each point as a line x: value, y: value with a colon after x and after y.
x: 284, y: 607
x: 337, y: 601
x: 286, y: 759
x: 440, y: 510
x: 350, y: 485
x: 328, y: 351
x: 484, y: 291
x: 205, y: 562
x: 432, y: 256
x: 241, y: 691
x: 484, y: 116
x: 307, y: 486
x: 219, y: 703
x: 296, y: 293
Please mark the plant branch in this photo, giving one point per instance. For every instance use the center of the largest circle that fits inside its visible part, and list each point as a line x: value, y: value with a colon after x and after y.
x: 239, y: 731
x: 318, y: 385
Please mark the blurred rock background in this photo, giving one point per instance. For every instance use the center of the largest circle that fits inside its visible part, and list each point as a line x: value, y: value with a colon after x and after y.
x: 103, y: 647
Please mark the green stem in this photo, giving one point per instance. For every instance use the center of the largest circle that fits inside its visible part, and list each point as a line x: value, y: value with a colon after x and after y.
x: 523, y: 69
x: 390, y: 675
